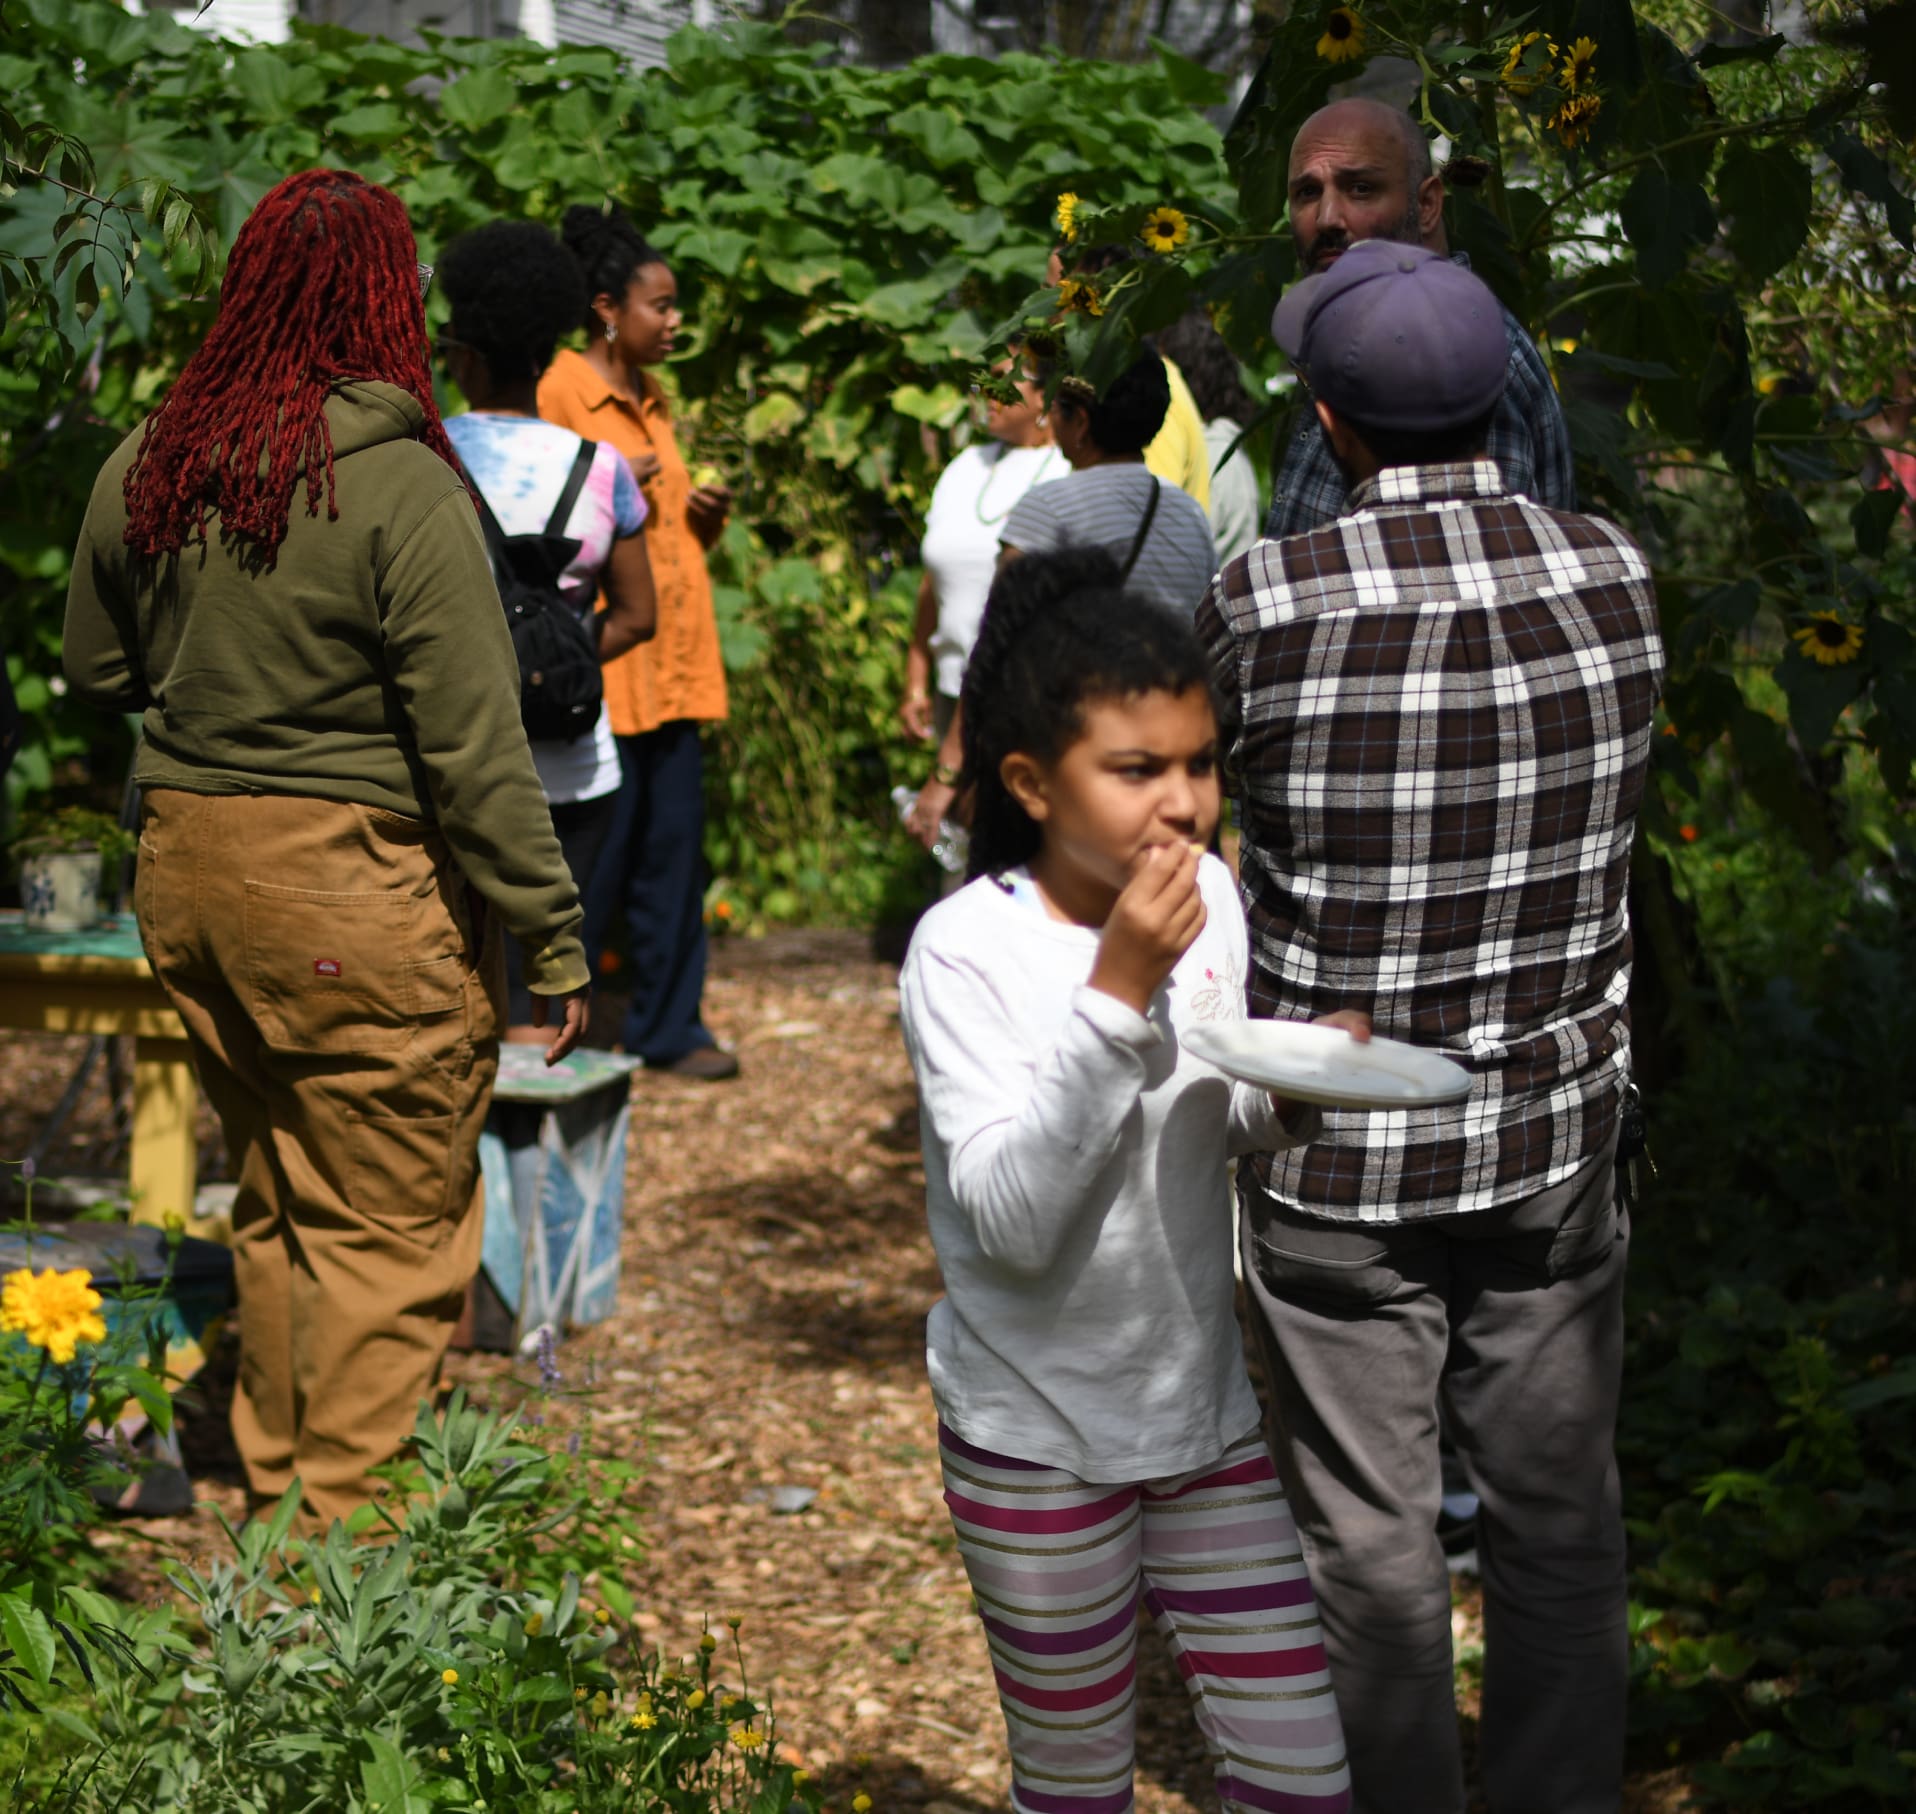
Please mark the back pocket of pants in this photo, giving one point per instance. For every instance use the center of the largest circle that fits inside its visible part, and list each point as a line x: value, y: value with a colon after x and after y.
x: 329, y: 972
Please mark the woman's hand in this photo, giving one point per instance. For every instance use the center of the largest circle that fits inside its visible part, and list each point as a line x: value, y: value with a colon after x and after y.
x: 930, y: 810
x: 914, y: 713
x: 575, y: 1010
x: 1153, y: 924
x: 706, y: 509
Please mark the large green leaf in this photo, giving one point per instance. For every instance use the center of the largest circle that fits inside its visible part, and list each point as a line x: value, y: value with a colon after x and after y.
x: 478, y: 99
x: 1766, y: 192
x: 26, y: 1631
x: 1665, y: 219
x: 274, y: 88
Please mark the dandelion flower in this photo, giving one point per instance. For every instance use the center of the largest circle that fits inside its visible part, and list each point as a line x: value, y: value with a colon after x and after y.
x: 644, y: 1720
x: 1580, y: 65
x: 1068, y: 215
x: 450, y: 1677
x: 1164, y: 230
x: 1827, y: 640
x: 746, y: 1738
x: 1343, y: 39
x: 1573, y: 120
x: 1076, y: 297
x: 56, y: 1311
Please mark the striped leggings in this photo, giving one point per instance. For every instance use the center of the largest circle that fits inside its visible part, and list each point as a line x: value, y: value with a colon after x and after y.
x: 1058, y: 1567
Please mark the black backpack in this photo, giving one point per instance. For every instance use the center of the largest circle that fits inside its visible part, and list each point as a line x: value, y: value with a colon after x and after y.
x: 560, y: 688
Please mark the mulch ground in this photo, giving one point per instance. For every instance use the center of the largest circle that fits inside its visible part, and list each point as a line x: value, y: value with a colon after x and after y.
x: 770, y: 1334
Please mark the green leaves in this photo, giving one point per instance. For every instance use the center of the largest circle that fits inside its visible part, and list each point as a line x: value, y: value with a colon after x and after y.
x: 1665, y: 219
x: 1766, y: 192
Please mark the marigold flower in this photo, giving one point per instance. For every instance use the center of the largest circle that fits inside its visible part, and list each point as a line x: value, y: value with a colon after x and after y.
x: 1573, y: 120
x: 1580, y: 65
x: 1521, y: 80
x: 861, y: 1804
x: 1164, y: 230
x: 696, y: 1699
x: 1343, y: 38
x: 727, y: 1702
x: 578, y: 1694
x: 708, y: 1643
x: 1827, y: 640
x: 644, y: 1720
x: 312, y: 1596
x: 746, y: 1738
x: 450, y: 1677
x: 1077, y: 297
x: 56, y: 1311
x: 601, y: 1617
x: 1687, y: 833
x: 1068, y: 215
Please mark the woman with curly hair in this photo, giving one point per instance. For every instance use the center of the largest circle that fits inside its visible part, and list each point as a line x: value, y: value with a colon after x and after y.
x: 282, y: 569
x: 514, y: 291
x: 653, y: 868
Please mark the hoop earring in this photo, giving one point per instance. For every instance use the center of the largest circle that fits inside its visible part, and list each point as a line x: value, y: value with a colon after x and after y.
x: 611, y: 331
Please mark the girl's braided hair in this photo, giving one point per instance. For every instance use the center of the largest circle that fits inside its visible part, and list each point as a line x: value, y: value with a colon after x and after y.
x: 323, y: 286
x: 610, y: 250
x: 1059, y: 633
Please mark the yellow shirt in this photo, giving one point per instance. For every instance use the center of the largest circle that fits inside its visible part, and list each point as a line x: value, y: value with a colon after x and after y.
x: 679, y: 673
x: 1179, y: 453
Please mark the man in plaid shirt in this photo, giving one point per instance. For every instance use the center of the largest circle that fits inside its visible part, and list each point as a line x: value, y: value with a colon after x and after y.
x: 1361, y: 170
x: 1436, y: 711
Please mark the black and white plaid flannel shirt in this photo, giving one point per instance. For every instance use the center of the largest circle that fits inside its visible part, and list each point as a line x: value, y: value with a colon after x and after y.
x: 1529, y: 440
x: 1436, y: 715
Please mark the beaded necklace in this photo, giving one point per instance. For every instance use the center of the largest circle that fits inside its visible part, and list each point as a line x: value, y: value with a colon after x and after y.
x: 984, y: 491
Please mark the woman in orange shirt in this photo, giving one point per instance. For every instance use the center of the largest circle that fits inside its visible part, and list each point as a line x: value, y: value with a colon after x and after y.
x: 652, y: 867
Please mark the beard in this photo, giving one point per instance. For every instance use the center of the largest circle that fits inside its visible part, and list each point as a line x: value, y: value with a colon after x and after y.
x: 1405, y: 232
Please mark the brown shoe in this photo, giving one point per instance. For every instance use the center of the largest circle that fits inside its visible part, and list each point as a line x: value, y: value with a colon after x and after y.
x: 709, y: 1064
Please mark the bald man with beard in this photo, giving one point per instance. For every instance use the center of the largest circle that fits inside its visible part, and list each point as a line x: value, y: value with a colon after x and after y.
x: 1361, y: 170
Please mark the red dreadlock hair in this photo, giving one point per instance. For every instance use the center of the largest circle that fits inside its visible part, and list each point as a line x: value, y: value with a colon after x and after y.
x: 323, y: 285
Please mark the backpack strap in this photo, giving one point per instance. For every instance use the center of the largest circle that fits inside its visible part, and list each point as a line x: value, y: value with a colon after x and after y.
x: 1144, y: 529
x: 574, y: 484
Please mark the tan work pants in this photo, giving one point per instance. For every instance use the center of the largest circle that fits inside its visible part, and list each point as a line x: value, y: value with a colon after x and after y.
x: 344, y: 1010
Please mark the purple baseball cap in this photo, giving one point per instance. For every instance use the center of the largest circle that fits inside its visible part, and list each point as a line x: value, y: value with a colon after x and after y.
x: 1396, y: 336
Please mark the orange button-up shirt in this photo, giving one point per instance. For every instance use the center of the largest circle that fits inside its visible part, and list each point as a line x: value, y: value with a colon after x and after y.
x: 678, y: 674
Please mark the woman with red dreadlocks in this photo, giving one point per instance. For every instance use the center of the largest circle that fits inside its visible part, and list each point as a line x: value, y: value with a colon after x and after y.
x: 284, y: 571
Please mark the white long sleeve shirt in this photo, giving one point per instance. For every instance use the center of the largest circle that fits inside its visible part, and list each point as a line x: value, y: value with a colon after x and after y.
x: 1076, y: 1176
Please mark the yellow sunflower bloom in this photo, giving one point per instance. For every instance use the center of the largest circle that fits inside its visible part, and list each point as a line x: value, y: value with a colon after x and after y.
x: 1068, y: 215
x: 1521, y: 80
x: 1580, y: 65
x: 1827, y: 640
x: 1573, y: 120
x: 1164, y: 230
x: 56, y: 1311
x: 1343, y: 39
x: 1076, y: 297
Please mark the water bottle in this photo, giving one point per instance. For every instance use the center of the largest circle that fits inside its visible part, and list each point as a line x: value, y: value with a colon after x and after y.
x: 953, y: 844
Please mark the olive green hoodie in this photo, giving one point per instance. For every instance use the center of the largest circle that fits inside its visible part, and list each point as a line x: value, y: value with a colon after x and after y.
x: 370, y: 664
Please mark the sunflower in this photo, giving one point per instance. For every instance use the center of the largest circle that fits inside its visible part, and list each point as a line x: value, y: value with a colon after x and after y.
x: 1573, y: 120
x: 1164, y: 230
x: 1826, y: 639
x: 1516, y: 77
x: 1068, y: 215
x: 1580, y: 65
x: 1343, y: 38
x: 1076, y: 297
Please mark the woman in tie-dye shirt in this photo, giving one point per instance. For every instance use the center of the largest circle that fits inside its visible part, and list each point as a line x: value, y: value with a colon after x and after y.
x: 514, y: 290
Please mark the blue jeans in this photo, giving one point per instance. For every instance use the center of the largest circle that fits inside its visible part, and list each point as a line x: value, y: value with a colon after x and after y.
x: 652, y: 870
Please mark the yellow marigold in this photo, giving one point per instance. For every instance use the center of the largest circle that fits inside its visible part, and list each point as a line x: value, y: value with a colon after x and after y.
x: 727, y: 1702
x: 1521, y: 80
x: 1343, y: 39
x: 1076, y: 297
x: 746, y: 1738
x: 1827, y: 640
x: 1164, y: 230
x: 601, y: 1617
x: 56, y: 1311
x: 1573, y: 120
x: 696, y: 1699
x: 644, y: 1720
x: 861, y: 1804
x: 708, y: 1643
x: 450, y: 1677
x: 312, y: 1596
x: 1580, y: 65
x: 578, y: 1694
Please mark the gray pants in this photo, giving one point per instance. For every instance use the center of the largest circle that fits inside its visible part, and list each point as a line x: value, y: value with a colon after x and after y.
x: 1513, y: 1319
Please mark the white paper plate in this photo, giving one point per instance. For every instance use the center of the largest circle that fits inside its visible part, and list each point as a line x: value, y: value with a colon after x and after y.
x: 1325, y: 1065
